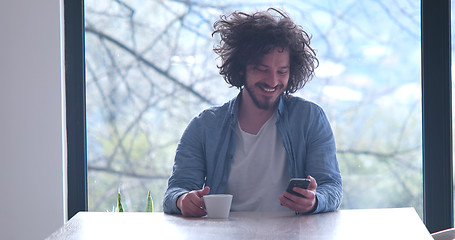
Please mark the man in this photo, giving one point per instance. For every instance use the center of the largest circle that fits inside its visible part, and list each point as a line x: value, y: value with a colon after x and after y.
x: 252, y: 145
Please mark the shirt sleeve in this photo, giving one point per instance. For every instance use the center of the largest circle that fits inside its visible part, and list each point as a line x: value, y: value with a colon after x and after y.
x: 189, y: 167
x: 322, y: 163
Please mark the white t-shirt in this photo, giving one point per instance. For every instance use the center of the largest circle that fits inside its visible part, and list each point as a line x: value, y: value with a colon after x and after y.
x: 259, y: 171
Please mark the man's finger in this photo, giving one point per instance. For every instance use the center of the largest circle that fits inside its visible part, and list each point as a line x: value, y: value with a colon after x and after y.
x: 203, y: 192
x: 313, y: 184
x: 197, y: 210
x: 193, y: 206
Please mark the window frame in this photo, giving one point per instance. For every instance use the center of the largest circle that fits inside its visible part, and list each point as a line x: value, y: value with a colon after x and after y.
x: 436, y: 111
x: 74, y: 35
x: 437, y: 114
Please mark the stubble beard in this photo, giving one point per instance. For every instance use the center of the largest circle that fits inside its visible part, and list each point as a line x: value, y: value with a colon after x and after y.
x: 264, y: 105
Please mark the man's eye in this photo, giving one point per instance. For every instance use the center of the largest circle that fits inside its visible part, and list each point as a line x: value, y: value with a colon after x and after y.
x: 283, y: 72
x: 261, y: 69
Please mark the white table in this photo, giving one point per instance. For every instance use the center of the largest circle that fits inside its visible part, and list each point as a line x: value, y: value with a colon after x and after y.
x: 366, y: 224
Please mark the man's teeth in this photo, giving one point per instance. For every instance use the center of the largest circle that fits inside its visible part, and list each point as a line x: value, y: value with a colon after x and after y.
x: 268, y: 89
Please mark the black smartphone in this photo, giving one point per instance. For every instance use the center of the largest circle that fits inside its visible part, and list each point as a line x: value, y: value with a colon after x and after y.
x: 298, y: 182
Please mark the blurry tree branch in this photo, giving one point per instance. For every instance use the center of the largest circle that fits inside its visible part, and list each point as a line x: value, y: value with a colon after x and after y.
x: 148, y: 63
x: 397, y: 21
x: 127, y: 173
x: 378, y: 155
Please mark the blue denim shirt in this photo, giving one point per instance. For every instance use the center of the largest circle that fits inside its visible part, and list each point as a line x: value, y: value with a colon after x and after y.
x: 206, y: 149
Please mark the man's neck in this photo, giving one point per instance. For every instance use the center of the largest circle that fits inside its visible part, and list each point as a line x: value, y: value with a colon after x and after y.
x: 250, y: 117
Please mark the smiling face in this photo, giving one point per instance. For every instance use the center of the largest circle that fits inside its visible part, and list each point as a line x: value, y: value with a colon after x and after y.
x: 265, y: 81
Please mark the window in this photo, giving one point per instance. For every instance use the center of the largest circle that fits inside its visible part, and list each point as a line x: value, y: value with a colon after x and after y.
x: 150, y: 69
x: 372, y: 53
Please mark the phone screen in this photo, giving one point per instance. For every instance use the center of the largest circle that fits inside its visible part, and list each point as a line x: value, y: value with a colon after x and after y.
x: 298, y: 182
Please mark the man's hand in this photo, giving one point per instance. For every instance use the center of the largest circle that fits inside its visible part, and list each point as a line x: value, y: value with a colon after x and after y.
x: 191, y: 204
x: 301, y: 204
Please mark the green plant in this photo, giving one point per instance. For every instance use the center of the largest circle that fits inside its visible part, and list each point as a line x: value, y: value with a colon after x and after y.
x: 119, y: 203
x: 148, y: 207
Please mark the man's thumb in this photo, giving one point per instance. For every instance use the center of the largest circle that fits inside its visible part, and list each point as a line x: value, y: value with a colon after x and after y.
x: 204, y: 191
x: 313, y: 183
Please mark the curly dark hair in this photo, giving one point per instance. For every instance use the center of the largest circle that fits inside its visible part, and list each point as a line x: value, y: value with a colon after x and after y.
x: 246, y: 38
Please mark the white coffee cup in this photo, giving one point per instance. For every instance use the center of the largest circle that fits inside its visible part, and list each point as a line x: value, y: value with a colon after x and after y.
x: 218, y: 205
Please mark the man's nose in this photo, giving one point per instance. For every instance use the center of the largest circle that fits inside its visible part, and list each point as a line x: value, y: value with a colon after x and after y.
x: 273, y: 79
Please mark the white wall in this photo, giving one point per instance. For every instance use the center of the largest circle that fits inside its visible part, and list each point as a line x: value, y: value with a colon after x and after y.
x: 31, y: 178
